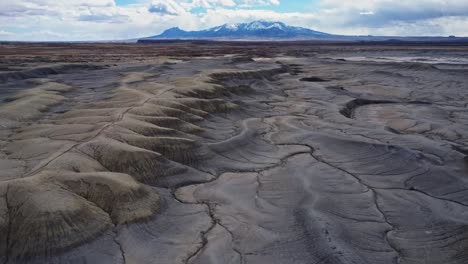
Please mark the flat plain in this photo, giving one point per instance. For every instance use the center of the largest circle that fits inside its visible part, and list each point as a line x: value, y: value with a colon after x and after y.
x: 224, y: 152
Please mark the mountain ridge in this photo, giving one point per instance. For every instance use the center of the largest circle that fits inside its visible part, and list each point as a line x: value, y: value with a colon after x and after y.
x: 259, y: 29
x: 276, y: 30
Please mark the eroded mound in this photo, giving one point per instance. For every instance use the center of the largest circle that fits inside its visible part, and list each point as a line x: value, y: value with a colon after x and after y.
x: 235, y: 159
x: 54, y: 211
x: 85, y: 171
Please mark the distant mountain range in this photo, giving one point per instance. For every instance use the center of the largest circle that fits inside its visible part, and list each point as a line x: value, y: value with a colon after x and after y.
x: 254, y: 30
x: 268, y: 30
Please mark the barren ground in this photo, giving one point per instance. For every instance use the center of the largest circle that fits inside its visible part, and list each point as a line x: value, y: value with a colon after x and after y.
x: 233, y: 153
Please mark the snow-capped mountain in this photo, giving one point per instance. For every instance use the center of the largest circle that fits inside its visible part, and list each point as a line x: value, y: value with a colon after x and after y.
x: 266, y: 30
x: 254, y: 30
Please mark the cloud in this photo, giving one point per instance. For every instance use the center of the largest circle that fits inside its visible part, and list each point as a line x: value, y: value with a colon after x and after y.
x: 378, y: 13
x: 161, y: 9
x: 6, y: 33
x: 229, y: 3
x: 167, y: 7
x: 104, y: 20
x: 23, y: 9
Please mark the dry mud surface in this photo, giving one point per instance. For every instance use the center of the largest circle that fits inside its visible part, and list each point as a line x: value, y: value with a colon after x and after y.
x: 186, y: 153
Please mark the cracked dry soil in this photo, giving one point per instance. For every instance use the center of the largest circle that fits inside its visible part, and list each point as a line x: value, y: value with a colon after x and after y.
x: 232, y: 154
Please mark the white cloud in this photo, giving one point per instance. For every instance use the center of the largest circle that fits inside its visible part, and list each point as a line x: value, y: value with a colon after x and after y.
x: 104, y: 20
x: 4, y: 33
x: 381, y: 12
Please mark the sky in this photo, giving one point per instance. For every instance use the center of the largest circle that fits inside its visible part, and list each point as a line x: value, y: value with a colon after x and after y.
x: 76, y: 20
